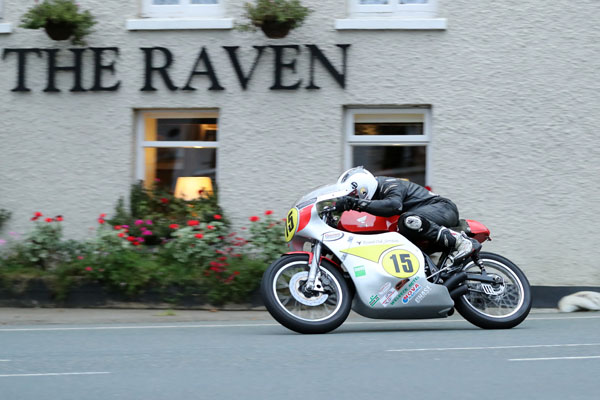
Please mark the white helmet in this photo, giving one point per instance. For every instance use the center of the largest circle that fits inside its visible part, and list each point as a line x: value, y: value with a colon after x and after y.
x: 359, y: 182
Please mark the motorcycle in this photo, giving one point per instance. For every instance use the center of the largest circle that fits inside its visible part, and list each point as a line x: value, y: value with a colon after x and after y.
x: 355, y: 260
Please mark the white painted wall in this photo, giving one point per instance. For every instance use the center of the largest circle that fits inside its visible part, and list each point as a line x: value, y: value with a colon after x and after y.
x: 513, y: 88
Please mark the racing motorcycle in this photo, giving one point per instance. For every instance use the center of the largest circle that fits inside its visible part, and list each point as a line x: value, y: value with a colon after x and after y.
x: 354, y: 260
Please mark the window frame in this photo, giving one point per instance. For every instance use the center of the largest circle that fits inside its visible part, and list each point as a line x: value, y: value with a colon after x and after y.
x: 351, y: 140
x: 394, y: 9
x: 142, y: 144
x: 183, y: 10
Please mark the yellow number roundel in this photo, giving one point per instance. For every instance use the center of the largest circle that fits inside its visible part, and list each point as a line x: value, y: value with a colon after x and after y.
x: 400, y: 263
x: 291, y: 224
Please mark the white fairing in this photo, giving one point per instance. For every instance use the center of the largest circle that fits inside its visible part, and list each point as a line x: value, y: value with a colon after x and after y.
x: 388, y: 271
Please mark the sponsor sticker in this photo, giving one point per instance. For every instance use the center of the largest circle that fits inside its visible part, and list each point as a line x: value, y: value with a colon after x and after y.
x: 386, y: 286
x: 389, y: 296
x: 405, y: 288
x: 360, y: 271
x: 411, y: 293
x: 373, y: 300
x: 422, y: 295
x: 331, y: 236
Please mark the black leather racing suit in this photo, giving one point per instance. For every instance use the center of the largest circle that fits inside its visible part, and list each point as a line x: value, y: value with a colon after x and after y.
x: 397, y: 196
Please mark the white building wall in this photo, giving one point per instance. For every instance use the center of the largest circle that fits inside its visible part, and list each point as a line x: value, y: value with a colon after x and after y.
x: 513, y: 88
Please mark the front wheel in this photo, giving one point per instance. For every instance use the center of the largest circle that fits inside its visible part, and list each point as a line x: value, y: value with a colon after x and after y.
x: 282, y: 290
x: 502, y: 305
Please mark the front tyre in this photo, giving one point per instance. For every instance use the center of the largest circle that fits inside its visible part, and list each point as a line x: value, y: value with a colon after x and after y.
x: 501, y: 305
x: 317, y: 312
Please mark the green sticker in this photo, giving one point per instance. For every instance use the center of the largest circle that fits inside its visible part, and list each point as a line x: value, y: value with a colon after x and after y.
x: 373, y: 300
x: 360, y: 271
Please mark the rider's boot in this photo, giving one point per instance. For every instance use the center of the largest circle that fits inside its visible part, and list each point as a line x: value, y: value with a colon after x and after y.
x: 459, y: 244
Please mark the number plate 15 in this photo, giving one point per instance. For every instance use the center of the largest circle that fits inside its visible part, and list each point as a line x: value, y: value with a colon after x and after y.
x: 400, y: 263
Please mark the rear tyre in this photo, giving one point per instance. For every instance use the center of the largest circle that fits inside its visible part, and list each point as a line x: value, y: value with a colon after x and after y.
x: 502, y: 305
x: 281, y: 290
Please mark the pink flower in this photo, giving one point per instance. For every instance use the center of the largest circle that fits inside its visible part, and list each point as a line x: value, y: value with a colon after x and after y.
x: 148, y: 222
x: 80, y: 257
x: 139, y: 222
x: 147, y: 233
x: 268, y: 212
x: 126, y: 226
x: 254, y: 218
x: 89, y: 269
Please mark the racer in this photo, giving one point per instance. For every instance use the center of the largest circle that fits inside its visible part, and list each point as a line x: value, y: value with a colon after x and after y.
x: 423, y: 215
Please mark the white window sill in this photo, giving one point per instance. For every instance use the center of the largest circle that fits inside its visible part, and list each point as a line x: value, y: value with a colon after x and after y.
x: 391, y: 23
x: 155, y: 24
x: 5, y: 28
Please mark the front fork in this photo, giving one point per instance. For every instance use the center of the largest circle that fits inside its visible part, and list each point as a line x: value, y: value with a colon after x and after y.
x: 314, y: 282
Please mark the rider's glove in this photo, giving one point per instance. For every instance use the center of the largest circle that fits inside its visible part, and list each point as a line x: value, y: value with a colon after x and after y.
x: 347, y: 203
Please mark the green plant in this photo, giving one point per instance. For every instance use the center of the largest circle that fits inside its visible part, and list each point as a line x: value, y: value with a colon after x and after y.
x: 65, y: 12
x: 291, y: 12
x: 267, y: 237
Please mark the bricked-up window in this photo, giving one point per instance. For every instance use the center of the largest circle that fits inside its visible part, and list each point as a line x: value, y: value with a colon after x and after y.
x: 389, y: 142
x: 183, y: 8
x: 176, y: 144
x: 394, y: 8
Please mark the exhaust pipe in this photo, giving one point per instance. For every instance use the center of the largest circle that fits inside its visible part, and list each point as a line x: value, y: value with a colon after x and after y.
x: 459, y: 291
x: 455, y: 280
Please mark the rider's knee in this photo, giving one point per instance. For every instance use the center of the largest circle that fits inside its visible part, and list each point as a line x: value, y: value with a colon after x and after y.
x: 412, y: 223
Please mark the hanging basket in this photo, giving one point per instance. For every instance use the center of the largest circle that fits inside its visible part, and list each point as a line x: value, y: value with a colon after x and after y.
x: 59, y: 30
x: 276, y: 29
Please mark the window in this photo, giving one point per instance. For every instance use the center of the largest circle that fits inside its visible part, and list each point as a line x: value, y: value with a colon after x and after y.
x: 392, y: 14
x: 182, y: 8
x: 395, y: 8
x: 174, y: 145
x: 389, y: 142
x: 4, y: 27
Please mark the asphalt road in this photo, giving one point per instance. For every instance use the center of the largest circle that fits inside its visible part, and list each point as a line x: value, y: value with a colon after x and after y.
x: 250, y: 356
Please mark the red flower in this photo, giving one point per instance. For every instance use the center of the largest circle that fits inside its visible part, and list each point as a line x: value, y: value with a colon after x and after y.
x: 210, y: 227
x: 131, y: 238
x: 164, y: 200
x: 268, y: 212
x: 217, y: 216
x: 236, y: 272
x: 223, y: 258
x: 199, y: 235
x: 34, y: 218
x: 136, y: 243
x: 254, y: 218
x: 37, y: 214
x: 100, y: 221
x: 89, y: 269
x: 58, y: 218
x: 102, y: 215
x: 122, y: 234
x: 193, y: 223
x: 117, y: 227
x: 49, y: 220
x: 174, y: 226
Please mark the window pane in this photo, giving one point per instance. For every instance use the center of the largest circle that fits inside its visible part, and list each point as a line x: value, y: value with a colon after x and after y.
x: 186, y: 129
x: 164, y: 2
x: 165, y: 165
x: 413, y: 1
x: 374, y: 1
x: 389, y: 128
x: 205, y: 1
x: 399, y: 161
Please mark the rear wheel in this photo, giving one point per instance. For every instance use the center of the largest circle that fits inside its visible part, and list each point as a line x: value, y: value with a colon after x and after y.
x: 286, y: 299
x: 502, y: 305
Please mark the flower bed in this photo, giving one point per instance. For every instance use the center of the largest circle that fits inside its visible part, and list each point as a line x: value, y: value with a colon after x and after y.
x: 160, y: 250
